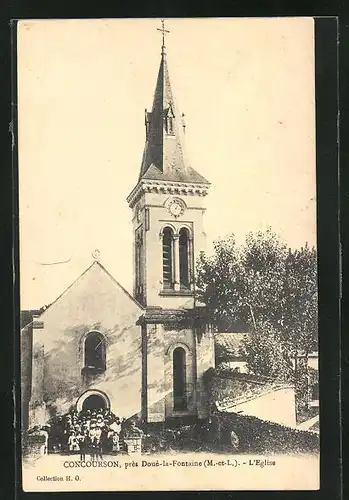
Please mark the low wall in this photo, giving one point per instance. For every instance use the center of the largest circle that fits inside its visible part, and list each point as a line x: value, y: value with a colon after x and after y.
x: 35, y: 445
x: 259, y: 436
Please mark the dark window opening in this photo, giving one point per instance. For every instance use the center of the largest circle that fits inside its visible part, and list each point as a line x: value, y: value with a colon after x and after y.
x: 167, y: 258
x: 94, y: 402
x: 147, y: 123
x: 138, y: 263
x: 184, y: 258
x: 315, y: 392
x: 169, y: 121
x: 95, y: 352
x: 139, y: 270
x: 170, y: 125
x: 179, y: 379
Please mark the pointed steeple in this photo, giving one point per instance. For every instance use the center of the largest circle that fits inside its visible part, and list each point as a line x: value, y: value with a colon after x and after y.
x: 164, y: 158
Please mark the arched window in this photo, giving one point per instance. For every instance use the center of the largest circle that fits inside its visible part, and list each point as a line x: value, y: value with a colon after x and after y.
x: 184, y: 258
x: 167, y: 258
x: 179, y: 379
x: 95, y: 352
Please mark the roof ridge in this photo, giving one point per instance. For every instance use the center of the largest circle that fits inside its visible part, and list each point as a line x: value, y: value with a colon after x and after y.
x: 76, y: 281
x: 68, y: 288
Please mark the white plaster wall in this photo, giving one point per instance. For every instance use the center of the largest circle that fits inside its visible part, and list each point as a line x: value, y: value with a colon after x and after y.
x: 180, y: 338
x: 277, y: 406
x: 155, y: 382
x: 94, y: 302
x: 205, y: 359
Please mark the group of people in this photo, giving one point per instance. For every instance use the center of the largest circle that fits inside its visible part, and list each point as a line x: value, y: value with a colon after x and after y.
x: 91, y: 432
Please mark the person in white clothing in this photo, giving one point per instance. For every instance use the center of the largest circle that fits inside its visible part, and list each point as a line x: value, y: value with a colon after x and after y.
x: 73, y: 442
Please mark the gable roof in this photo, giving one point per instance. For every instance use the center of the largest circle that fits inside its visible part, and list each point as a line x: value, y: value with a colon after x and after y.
x: 43, y: 310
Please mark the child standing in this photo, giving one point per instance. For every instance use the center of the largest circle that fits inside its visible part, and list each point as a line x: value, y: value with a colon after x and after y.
x: 82, y: 438
x: 73, y: 443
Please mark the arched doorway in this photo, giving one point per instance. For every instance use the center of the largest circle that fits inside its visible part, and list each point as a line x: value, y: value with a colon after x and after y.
x: 93, y: 400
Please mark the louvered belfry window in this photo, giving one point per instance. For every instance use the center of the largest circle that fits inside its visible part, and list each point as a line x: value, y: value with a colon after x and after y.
x: 184, y: 258
x: 167, y: 257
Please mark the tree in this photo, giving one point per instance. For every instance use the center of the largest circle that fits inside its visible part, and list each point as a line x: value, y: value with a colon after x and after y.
x: 264, y: 352
x: 219, y: 282
x: 299, y: 300
x: 243, y: 284
x: 271, y: 290
x: 263, y: 270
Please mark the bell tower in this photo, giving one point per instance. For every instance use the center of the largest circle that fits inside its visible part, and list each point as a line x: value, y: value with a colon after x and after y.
x: 167, y: 205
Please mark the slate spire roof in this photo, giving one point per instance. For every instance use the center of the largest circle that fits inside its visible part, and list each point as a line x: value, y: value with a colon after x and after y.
x: 164, y: 158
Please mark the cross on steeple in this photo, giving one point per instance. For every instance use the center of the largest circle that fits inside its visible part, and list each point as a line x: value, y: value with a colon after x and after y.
x: 163, y: 31
x: 164, y: 157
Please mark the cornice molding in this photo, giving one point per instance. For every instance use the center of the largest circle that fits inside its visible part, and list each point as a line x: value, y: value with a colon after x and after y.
x: 166, y: 187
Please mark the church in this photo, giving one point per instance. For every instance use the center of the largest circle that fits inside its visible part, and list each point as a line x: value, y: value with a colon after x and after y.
x: 143, y: 354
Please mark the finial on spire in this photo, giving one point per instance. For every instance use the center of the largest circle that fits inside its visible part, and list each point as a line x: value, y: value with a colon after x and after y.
x: 163, y: 31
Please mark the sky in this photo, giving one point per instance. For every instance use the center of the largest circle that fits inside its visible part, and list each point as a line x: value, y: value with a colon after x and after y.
x: 247, y: 89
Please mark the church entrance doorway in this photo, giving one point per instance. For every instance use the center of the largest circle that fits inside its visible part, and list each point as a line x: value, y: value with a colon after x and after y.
x: 94, y: 402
